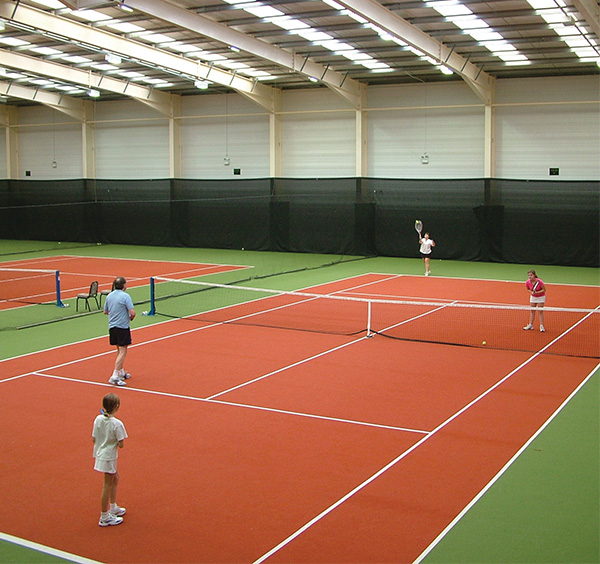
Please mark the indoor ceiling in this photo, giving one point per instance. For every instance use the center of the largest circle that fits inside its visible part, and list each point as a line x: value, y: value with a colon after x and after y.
x: 113, y: 49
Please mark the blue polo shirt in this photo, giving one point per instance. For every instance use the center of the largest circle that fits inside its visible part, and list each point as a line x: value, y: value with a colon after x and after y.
x: 117, y: 304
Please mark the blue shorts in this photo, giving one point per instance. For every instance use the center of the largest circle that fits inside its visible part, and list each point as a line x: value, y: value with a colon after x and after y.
x: 119, y: 336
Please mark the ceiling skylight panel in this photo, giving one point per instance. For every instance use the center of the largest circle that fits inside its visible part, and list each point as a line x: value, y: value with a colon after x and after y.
x: 285, y: 22
x: 233, y: 65
x: 355, y: 55
x: 263, y: 11
x: 76, y: 59
x: 53, y: 4
x: 313, y: 35
x: 123, y: 27
x: 13, y: 41
x: 155, y: 37
x: 335, y: 45
x: 335, y: 5
x: 182, y: 47
x: 208, y: 56
x: 468, y: 22
x: 45, y: 51
x: 90, y: 15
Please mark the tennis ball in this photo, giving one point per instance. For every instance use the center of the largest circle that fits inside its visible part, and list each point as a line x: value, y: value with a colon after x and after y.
x: 484, y: 343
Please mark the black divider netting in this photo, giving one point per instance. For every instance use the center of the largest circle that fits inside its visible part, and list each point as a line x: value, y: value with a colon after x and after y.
x: 219, y: 214
x: 571, y: 332
x: 446, y: 207
x: 550, y: 222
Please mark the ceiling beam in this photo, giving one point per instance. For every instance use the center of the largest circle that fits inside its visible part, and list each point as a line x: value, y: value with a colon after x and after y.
x: 73, y: 107
x: 590, y: 11
x: 86, y: 35
x: 339, y: 83
x: 159, y: 101
x: 478, y: 80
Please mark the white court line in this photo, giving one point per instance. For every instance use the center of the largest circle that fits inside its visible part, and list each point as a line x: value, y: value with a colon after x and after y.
x: 46, y: 549
x: 437, y: 540
x: 364, y: 484
x: 42, y: 374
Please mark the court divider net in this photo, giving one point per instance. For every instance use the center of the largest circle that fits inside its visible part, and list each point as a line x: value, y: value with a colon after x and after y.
x: 30, y: 286
x: 569, y: 331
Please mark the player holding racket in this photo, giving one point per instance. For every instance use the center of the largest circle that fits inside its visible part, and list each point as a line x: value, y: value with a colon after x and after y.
x: 426, y: 245
x: 119, y: 308
x: 537, y: 290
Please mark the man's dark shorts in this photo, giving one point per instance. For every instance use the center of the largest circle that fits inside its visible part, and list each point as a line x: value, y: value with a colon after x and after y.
x: 119, y: 337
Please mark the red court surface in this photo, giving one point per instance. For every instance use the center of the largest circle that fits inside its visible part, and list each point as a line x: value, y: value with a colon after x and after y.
x: 252, y: 444
x: 77, y: 273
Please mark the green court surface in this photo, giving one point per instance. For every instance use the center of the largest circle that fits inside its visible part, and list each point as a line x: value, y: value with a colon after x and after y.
x: 543, y: 509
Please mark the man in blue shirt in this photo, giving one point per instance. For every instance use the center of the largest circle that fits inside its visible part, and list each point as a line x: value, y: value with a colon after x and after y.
x: 119, y: 308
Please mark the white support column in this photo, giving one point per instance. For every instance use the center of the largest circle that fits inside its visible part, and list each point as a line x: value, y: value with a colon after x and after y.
x: 88, y: 145
x: 175, y: 160
x: 275, y: 159
x: 9, y: 117
x: 490, y: 134
x: 362, y: 136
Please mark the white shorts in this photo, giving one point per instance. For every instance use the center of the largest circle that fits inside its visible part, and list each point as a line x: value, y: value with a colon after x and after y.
x: 537, y: 300
x: 106, y: 466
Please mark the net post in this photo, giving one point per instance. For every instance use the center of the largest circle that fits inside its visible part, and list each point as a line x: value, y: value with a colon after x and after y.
x: 152, y: 310
x: 59, y: 302
x: 369, y: 333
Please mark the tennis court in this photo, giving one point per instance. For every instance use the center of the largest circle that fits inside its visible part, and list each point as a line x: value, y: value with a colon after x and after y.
x: 251, y: 441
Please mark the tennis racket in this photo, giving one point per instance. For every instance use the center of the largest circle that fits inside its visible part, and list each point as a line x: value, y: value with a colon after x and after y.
x: 535, y: 287
x: 419, y: 227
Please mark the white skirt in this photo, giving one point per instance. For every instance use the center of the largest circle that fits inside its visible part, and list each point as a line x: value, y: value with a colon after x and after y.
x: 106, y: 466
x: 537, y: 300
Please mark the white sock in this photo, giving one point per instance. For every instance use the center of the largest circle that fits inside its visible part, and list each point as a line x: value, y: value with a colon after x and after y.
x: 113, y: 505
x: 103, y: 515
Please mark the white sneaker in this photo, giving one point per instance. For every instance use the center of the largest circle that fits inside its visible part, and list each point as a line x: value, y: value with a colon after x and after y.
x: 110, y: 520
x: 118, y: 511
x: 124, y: 375
x: 542, y: 329
x: 528, y: 327
x: 116, y: 381
x: 427, y: 274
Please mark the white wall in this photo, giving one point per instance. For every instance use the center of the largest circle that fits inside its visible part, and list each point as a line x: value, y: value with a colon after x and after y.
x: 540, y: 123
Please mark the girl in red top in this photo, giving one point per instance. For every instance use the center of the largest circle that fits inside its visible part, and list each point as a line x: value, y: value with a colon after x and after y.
x: 537, y: 290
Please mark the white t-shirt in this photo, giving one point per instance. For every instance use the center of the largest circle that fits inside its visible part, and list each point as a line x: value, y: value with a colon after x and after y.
x: 426, y: 245
x: 108, y: 431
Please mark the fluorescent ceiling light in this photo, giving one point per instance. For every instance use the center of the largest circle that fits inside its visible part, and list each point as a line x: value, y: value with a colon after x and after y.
x: 445, y: 70
x: 285, y: 22
x: 453, y: 10
x: 335, y: 45
x: 209, y: 56
x: 485, y: 35
x: 124, y: 27
x: 468, y: 22
x: 256, y: 73
x: 182, y: 47
x: 130, y: 74
x: 155, y: 37
x: 313, y: 35
x: 263, y: 11
x: 234, y: 65
x: 93, y: 93
x: 355, y: 55
x: 76, y: 59
x: 334, y: 4
x: 13, y: 41
x: 91, y: 15
x: 542, y: 4
x: 126, y: 8
x: 202, y: 84
x: 104, y: 67
x: 45, y: 51
x: 497, y: 46
x: 41, y: 81
x: 54, y: 4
